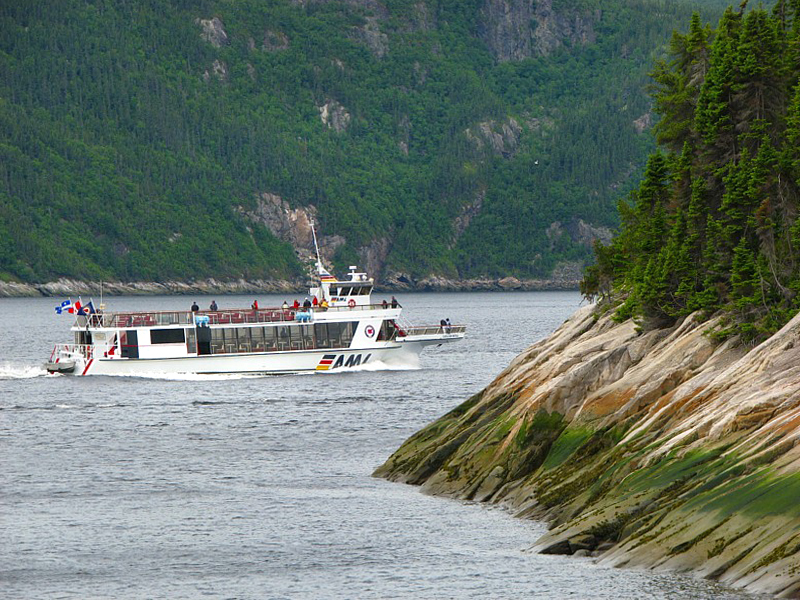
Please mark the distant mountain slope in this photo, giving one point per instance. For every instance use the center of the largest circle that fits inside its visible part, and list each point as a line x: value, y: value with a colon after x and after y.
x: 195, y: 139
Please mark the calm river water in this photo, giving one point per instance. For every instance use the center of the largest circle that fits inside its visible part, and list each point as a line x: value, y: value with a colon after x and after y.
x: 260, y: 487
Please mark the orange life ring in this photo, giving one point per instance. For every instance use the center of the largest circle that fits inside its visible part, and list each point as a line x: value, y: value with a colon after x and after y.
x: 351, y: 303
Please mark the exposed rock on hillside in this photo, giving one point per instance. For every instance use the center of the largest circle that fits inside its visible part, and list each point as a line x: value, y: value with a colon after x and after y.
x: 469, y: 211
x: 661, y: 449
x: 519, y: 29
x: 562, y: 280
x: 218, y: 70
x: 580, y: 232
x: 371, y: 35
x: 422, y: 18
x: 213, y: 31
x: 501, y: 138
x: 292, y: 225
x: 373, y: 256
x: 586, y: 233
x: 334, y: 115
x: 643, y: 122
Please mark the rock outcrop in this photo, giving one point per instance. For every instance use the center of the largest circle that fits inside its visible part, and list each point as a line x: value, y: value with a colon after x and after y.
x: 563, y: 279
x: 334, y: 115
x: 660, y: 449
x: 213, y: 32
x: 372, y: 36
x: 292, y: 225
x: 219, y: 70
x: 515, y: 30
x: 501, y: 139
x: 468, y: 211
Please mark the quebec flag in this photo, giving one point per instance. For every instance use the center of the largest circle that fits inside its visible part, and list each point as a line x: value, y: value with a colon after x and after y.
x: 66, y: 305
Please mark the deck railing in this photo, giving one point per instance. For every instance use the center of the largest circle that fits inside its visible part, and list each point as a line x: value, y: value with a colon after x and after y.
x: 85, y: 350
x: 218, y: 317
x: 434, y: 329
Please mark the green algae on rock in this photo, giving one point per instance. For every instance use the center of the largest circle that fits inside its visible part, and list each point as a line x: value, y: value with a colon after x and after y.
x: 664, y: 449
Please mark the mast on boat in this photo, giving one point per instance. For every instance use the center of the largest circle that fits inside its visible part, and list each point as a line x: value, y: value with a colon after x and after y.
x: 320, y: 268
x: 325, y: 278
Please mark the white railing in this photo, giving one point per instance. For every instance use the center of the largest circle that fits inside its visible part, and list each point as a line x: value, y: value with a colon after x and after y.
x: 434, y: 329
x: 218, y: 317
x: 62, y: 350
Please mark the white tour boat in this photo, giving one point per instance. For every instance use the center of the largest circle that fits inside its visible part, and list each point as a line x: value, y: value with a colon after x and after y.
x: 349, y: 332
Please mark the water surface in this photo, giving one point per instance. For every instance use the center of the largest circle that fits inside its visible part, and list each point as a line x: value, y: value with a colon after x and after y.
x: 260, y: 487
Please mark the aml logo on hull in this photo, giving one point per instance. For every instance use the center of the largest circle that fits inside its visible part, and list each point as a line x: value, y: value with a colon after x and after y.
x: 332, y: 361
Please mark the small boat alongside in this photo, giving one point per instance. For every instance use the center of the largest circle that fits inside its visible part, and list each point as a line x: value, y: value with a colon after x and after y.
x: 343, y: 331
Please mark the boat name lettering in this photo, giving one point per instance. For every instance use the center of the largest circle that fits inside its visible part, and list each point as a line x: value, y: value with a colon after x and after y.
x: 335, y: 361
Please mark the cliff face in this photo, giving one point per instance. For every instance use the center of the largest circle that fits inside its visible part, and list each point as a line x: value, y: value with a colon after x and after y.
x: 519, y: 29
x: 660, y: 450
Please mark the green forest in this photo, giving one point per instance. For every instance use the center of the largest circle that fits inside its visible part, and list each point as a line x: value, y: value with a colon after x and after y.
x: 123, y: 155
x: 714, y: 225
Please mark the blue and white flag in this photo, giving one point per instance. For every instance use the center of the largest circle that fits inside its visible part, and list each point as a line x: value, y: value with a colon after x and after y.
x: 65, y: 306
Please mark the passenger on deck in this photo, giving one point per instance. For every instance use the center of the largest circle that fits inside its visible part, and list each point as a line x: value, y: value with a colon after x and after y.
x: 306, y: 303
x: 324, y: 304
x: 385, y: 304
x: 254, y: 306
x: 315, y: 302
x: 195, y: 308
x: 285, y: 305
x: 213, y: 306
x: 448, y: 325
x: 395, y: 303
x: 296, y: 305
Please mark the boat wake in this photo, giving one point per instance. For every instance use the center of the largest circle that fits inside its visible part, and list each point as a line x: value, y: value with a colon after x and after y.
x: 205, y: 376
x: 11, y: 371
x: 379, y: 365
x: 372, y: 366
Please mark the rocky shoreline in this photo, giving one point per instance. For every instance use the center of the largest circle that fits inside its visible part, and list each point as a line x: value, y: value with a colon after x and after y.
x: 661, y: 449
x: 73, y: 287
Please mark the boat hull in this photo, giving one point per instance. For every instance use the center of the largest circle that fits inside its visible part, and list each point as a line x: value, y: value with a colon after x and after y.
x: 66, y: 367
x: 297, y: 361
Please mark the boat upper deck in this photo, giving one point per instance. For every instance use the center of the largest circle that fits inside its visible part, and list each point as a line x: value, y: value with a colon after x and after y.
x: 220, y: 317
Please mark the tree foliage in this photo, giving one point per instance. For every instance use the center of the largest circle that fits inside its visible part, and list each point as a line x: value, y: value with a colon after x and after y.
x: 713, y: 225
x: 123, y: 155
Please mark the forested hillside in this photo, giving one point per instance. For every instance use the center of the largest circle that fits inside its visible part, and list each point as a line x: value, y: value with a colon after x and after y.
x: 154, y: 139
x: 714, y: 225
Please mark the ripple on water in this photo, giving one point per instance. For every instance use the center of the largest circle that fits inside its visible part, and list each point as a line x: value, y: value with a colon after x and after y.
x: 260, y: 487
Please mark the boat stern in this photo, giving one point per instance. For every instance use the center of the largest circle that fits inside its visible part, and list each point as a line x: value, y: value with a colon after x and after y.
x: 68, y: 359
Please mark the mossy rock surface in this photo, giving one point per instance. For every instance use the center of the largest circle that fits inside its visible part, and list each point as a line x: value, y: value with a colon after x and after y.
x: 664, y: 448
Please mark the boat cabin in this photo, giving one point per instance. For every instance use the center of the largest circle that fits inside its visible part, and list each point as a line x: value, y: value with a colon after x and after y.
x: 354, y: 290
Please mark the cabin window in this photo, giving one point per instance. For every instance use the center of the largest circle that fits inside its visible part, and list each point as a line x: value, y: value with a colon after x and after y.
x: 270, y: 338
x: 167, y: 336
x: 347, y: 331
x: 307, y: 335
x: 191, y: 341
x: 257, y: 337
x: 129, y: 344
x: 217, y: 341
x: 334, y: 335
x: 388, y: 331
x: 243, y: 338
